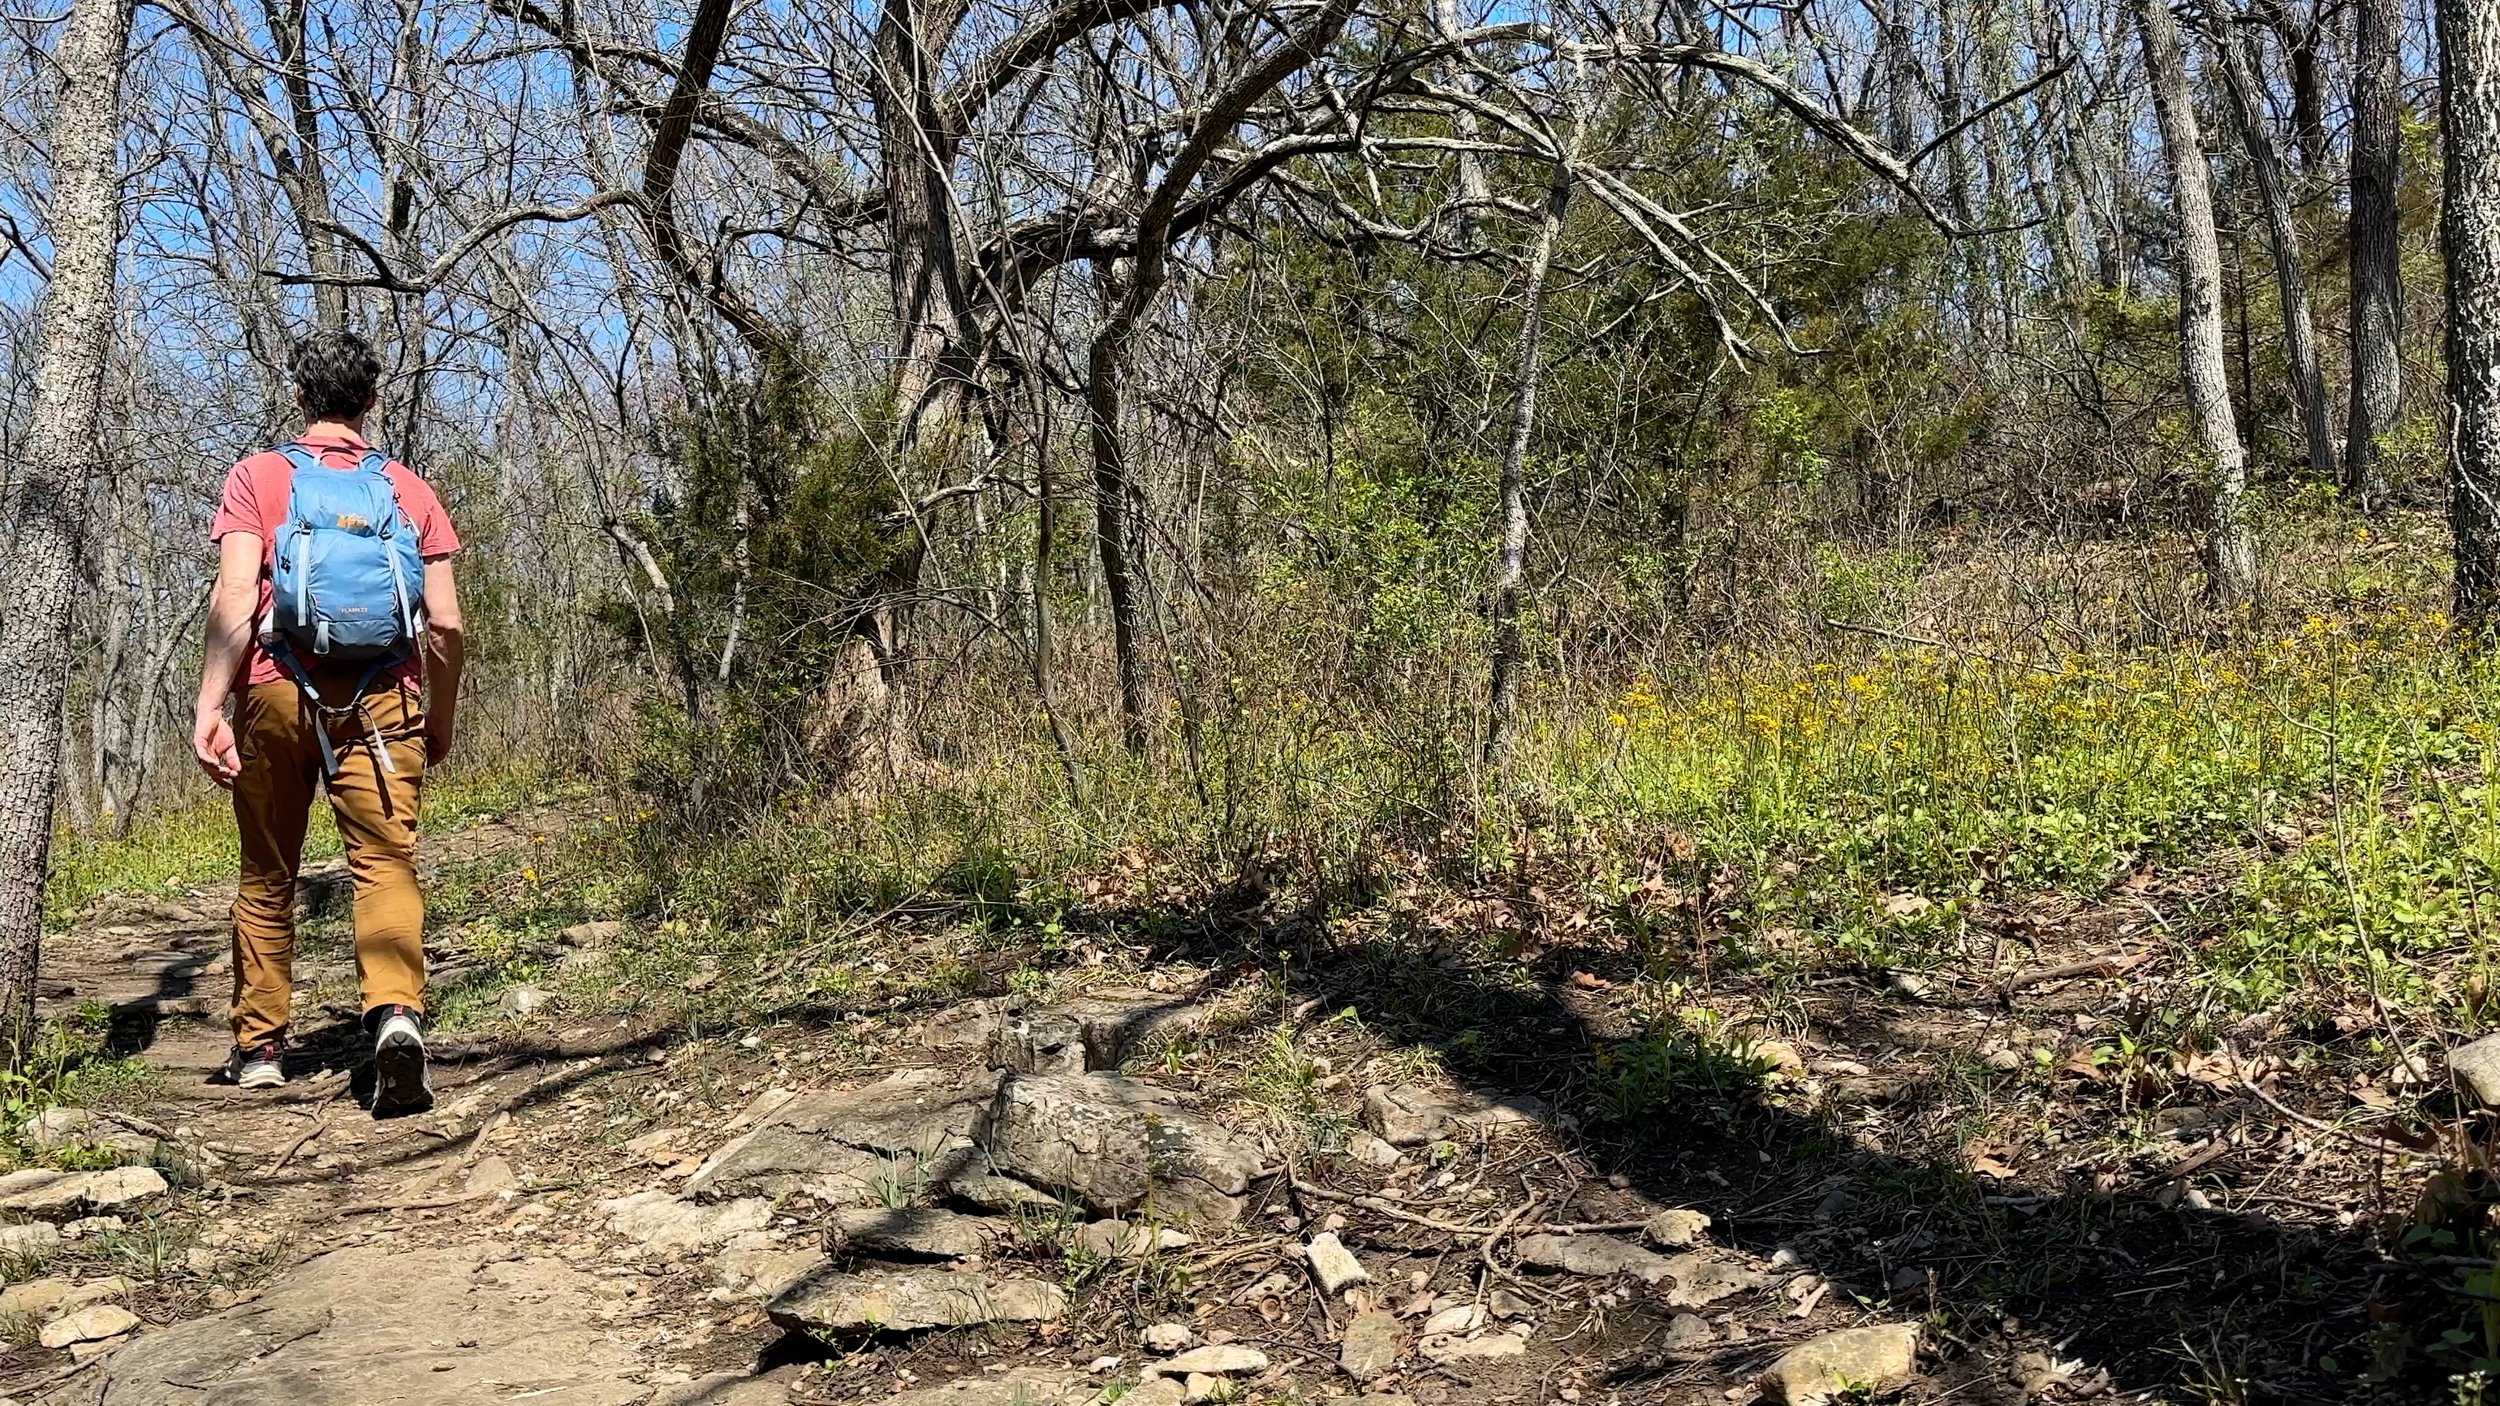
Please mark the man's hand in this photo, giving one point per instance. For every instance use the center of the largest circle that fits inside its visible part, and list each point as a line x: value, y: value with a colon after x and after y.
x: 212, y: 741
x: 437, y: 739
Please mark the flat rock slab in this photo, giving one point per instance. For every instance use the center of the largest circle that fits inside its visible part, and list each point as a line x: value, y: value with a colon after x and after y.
x: 929, y: 1234
x: 1409, y: 1115
x: 856, y: 1147
x: 1020, y: 1387
x: 52, y: 1195
x: 909, y: 1300
x: 458, y: 1327
x: 1370, y: 1349
x: 1119, y: 1146
x: 1702, y: 1280
x: 2477, y: 1067
x: 667, y: 1225
x: 1594, y: 1254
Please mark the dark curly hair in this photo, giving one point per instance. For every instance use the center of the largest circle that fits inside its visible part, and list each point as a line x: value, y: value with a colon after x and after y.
x: 336, y: 372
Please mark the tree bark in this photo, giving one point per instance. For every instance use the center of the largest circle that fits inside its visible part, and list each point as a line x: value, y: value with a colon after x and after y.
x: 2377, y: 294
x: 917, y: 150
x: 47, y: 512
x: 2230, y: 550
x: 2291, y: 275
x: 2469, y: 50
x: 1511, y: 580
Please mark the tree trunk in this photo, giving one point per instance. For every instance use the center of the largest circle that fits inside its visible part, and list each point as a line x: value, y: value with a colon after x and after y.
x: 2291, y: 276
x: 1106, y: 374
x: 47, y: 513
x: 2230, y: 551
x: 916, y: 158
x: 2469, y: 61
x: 2377, y: 294
x: 1510, y: 583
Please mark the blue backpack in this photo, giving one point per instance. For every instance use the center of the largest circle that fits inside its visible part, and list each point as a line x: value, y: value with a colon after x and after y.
x: 348, y: 582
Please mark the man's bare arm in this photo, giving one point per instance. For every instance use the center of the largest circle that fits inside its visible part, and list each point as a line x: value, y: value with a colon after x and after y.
x: 229, y: 634
x: 445, y: 653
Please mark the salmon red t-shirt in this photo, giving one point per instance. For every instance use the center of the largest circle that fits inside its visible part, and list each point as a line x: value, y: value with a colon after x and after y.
x: 255, y: 500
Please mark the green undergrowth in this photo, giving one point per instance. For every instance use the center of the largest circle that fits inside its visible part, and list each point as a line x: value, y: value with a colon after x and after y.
x: 170, y: 850
x: 2306, y: 807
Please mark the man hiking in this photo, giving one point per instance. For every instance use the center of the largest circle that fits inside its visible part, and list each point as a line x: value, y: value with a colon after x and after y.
x: 335, y: 630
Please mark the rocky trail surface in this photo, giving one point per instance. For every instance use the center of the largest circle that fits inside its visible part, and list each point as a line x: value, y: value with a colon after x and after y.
x: 998, y: 1201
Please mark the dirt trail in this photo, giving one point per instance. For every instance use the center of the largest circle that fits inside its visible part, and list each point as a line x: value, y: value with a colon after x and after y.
x: 993, y: 1202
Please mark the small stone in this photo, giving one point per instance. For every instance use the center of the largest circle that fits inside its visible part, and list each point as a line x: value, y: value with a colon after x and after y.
x: 1852, y: 1360
x: 1506, y: 1304
x: 1702, y: 1280
x: 1465, y: 1349
x: 1593, y: 1254
x: 1168, y: 1337
x: 86, y: 1226
x: 1687, y: 1334
x: 1129, y: 1240
x: 1370, y: 1349
x: 763, y: 1271
x: 32, y: 1241
x: 1458, y: 1318
x: 1218, y: 1360
x: 1154, y: 1391
x: 1677, y: 1229
x: 528, y: 998
x: 88, y: 1325
x: 492, y: 1177
x: 1333, y: 1264
x: 200, y: 1260
x: 1408, y: 1115
x: 1198, y: 1386
x: 2477, y: 1067
x: 598, y: 934
x: 1372, y: 1151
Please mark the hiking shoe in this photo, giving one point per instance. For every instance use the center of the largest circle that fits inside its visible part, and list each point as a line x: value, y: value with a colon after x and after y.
x: 399, y: 1062
x: 261, y: 1066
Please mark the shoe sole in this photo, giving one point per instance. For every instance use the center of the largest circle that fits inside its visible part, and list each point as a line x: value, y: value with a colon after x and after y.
x: 269, y: 1080
x: 399, y: 1078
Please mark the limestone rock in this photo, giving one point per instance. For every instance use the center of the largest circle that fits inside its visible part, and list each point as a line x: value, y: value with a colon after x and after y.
x: 762, y: 1272
x: 598, y: 934
x: 907, y: 1132
x: 30, y: 1241
x: 667, y: 1225
x: 1676, y: 1230
x: 1129, y: 1240
x: 1593, y: 1254
x: 1168, y: 1337
x: 1372, y: 1151
x: 1703, y: 1279
x: 1370, y: 1349
x: 88, y: 1325
x: 41, y: 1191
x: 1119, y: 1145
x: 1020, y: 1387
x: 1854, y: 1359
x: 1491, y: 1345
x: 46, y: 1299
x: 64, y: 1127
x: 1333, y: 1264
x: 1046, y: 1042
x: 984, y: 1187
x: 2477, y: 1067
x: 1457, y: 1318
x: 907, y: 1300
x: 926, y: 1234
x: 1215, y: 1360
x: 1156, y: 1391
x: 461, y: 1326
x: 723, y: 1389
x: 1409, y: 1115
x: 526, y: 999
x: 1687, y: 1334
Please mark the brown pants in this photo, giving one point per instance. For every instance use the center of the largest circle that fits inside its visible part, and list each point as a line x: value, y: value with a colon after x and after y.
x: 377, y: 817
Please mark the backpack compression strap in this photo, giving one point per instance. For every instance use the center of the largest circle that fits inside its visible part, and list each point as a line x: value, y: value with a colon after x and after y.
x: 323, y: 711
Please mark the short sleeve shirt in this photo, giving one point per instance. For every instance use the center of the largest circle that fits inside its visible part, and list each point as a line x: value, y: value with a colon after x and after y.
x: 255, y: 500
